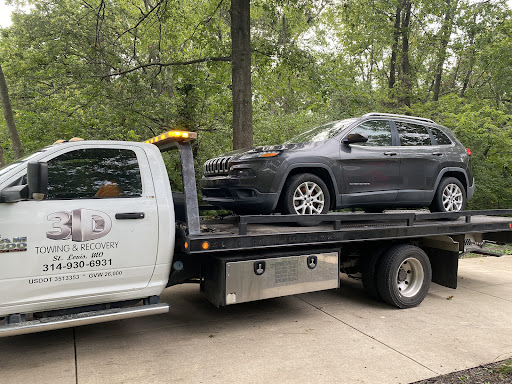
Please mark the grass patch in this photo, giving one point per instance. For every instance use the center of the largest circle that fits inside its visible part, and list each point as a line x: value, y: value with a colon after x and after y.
x: 506, y: 367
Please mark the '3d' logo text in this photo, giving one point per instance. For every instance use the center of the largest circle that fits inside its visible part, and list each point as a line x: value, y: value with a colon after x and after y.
x: 79, y: 225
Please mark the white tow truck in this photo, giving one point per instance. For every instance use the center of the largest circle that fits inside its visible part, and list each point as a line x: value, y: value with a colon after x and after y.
x: 90, y: 231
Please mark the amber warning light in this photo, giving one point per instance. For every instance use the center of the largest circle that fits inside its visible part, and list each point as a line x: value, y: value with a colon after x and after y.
x: 172, y: 136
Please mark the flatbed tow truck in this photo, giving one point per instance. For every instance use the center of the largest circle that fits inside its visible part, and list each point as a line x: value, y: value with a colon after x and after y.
x: 91, y: 232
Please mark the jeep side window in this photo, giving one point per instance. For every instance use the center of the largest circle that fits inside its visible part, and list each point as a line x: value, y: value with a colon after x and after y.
x: 412, y: 134
x: 377, y: 131
x: 440, y: 137
x: 95, y: 172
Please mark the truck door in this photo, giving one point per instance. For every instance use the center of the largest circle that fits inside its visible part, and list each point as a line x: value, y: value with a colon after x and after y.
x: 95, y: 234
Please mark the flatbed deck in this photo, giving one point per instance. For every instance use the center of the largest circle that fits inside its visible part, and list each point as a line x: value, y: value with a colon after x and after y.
x: 237, y: 233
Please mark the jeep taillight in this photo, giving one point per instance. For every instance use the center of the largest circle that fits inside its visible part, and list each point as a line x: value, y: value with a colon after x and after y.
x: 468, y: 151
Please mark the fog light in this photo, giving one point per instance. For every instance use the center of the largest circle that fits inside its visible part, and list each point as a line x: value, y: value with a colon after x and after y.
x: 242, y: 172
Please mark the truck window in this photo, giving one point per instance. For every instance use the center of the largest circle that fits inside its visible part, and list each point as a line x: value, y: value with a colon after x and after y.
x: 94, y: 173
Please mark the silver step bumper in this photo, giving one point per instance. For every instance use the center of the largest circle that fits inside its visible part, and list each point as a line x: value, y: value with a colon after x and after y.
x: 84, y: 318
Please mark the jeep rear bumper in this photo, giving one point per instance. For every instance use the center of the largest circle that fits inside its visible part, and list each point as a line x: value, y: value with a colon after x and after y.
x: 471, y: 190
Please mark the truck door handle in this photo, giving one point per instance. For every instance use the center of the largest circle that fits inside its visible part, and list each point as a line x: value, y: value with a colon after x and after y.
x: 437, y: 153
x: 390, y: 153
x: 130, y: 216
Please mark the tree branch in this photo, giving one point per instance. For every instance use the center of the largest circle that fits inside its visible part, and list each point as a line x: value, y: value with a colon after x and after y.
x: 161, y: 65
x: 202, y: 22
x: 144, y: 17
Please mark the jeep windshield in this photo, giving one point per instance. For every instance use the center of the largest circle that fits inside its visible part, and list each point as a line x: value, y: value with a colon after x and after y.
x: 323, y: 132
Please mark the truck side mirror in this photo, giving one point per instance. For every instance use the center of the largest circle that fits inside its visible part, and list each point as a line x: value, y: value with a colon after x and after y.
x: 353, y: 138
x: 14, y: 194
x: 37, y: 177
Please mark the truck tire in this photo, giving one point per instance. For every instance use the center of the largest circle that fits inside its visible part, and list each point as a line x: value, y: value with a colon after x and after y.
x: 403, y: 276
x: 450, y: 196
x: 305, y: 194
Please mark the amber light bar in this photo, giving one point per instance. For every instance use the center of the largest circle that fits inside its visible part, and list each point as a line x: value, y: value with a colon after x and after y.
x: 172, y: 136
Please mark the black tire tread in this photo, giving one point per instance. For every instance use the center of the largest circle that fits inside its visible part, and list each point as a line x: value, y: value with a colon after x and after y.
x: 386, y: 273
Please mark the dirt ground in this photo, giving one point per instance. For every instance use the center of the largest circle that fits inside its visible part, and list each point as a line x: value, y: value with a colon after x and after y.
x: 499, y: 372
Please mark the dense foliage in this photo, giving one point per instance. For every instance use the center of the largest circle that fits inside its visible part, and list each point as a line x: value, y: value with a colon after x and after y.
x: 103, y: 69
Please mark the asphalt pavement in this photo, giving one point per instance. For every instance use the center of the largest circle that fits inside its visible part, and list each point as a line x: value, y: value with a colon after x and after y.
x: 336, y: 336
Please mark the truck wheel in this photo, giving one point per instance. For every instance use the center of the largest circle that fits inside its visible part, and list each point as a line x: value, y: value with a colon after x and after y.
x: 305, y: 194
x: 450, y: 196
x: 403, y: 276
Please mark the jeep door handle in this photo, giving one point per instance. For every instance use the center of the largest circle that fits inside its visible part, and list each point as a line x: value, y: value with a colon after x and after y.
x: 130, y: 216
x: 437, y: 153
x: 390, y: 153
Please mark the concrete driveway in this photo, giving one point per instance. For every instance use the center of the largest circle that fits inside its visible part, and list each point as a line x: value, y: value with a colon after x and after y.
x: 333, y: 336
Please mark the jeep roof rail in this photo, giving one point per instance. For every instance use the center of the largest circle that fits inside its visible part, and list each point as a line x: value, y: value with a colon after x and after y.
x: 373, y: 114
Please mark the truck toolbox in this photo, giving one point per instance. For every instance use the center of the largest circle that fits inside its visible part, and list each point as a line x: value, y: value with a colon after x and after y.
x: 232, y: 280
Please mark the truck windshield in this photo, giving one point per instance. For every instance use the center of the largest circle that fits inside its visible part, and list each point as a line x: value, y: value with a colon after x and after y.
x: 8, y: 167
x: 323, y: 132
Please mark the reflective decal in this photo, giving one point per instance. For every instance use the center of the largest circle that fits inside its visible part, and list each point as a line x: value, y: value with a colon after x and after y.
x: 79, y: 225
x: 13, y: 244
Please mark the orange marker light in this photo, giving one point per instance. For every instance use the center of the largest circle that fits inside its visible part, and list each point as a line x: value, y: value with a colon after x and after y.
x: 270, y: 154
x: 186, y: 245
x: 205, y: 245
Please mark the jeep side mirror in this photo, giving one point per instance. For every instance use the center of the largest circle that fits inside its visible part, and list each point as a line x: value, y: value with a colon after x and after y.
x: 37, y: 176
x: 352, y: 138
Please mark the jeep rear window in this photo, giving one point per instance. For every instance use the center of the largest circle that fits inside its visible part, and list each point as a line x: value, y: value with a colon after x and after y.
x: 440, y: 137
x: 412, y: 134
x: 323, y: 132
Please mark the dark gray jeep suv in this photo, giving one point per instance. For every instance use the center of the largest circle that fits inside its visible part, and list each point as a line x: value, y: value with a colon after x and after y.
x: 373, y: 162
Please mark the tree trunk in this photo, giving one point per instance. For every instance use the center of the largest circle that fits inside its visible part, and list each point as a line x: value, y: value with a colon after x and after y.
x: 472, y: 58
x: 406, y: 66
x: 241, y: 73
x: 2, y: 158
x: 9, y: 118
x: 446, y: 31
x: 394, y: 48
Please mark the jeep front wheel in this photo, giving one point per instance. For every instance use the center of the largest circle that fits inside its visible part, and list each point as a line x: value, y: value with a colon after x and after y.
x: 305, y: 194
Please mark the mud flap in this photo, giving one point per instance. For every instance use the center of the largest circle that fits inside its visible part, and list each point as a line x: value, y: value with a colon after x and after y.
x: 445, y: 265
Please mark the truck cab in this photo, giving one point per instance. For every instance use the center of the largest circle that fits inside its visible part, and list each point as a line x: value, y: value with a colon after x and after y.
x: 101, y: 231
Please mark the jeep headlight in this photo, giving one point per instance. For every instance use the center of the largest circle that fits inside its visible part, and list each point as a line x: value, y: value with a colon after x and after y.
x: 256, y: 155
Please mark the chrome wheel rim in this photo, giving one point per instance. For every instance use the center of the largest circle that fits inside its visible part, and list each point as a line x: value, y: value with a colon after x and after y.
x: 409, y: 277
x: 308, y: 199
x: 452, y: 198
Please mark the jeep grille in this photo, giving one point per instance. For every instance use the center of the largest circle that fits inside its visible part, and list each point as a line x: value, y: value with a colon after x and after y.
x: 218, y: 166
